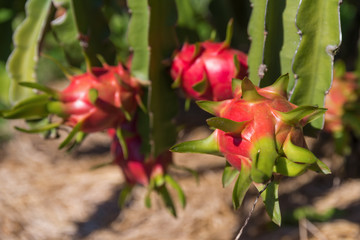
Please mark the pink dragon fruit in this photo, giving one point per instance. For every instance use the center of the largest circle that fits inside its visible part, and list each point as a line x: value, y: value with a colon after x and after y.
x: 147, y: 171
x: 204, y: 71
x: 342, y: 92
x: 136, y: 168
x: 259, y: 132
x: 101, y: 99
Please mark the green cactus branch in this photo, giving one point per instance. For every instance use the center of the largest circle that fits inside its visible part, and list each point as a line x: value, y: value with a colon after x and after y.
x: 319, y: 26
x: 22, y: 61
x: 66, y: 33
x: 162, y: 43
x: 291, y: 40
x: 138, y: 37
x: 93, y: 31
x: 256, y: 29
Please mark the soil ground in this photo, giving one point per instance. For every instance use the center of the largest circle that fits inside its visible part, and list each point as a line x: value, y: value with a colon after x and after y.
x: 50, y: 194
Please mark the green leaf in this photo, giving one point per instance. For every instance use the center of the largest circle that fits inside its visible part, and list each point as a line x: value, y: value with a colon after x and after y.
x: 211, y: 107
x: 148, y: 200
x: 66, y: 34
x: 290, y: 40
x: 227, y: 125
x: 121, y: 139
x: 45, y: 89
x: 320, y: 167
x: 241, y: 186
x: 318, y: 23
x: 296, y: 115
x: 93, y: 95
x: 200, y: 87
x: 229, y: 174
x: 101, y: 165
x: 32, y: 100
x: 249, y: 92
x: 22, y: 61
x: 177, y: 81
x: 93, y: 31
x: 138, y: 36
x: 229, y: 33
x: 31, y: 110
x: 236, y: 86
x: 264, y: 156
x: 56, y: 107
x: 71, y: 135
x: 165, y: 195
x: 39, y: 130
x: 176, y: 186
x: 271, y: 200
x: 207, y: 145
x: 256, y: 29
x: 289, y: 168
x: 280, y: 85
x: 298, y: 154
x: 124, y: 195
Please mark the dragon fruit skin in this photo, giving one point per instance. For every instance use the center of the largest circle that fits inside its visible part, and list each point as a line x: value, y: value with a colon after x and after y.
x: 117, y: 95
x: 210, y: 64
x: 343, y: 90
x: 259, y: 129
x: 136, y: 168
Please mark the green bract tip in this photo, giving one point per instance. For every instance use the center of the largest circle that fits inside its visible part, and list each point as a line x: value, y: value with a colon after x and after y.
x: 200, y: 87
x: 93, y: 95
x: 207, y: 145
x: 227, y: 125
x: 197, y: 51
x: 308, y: 113
x: 263, y: 159
x: 229, y: 33
x: 298, y: 154
x: 280, y: 85
x: 289, y: 168
x: 236, y: 87
x: 210, y: 106
x: 249, y: 92
x: 177, y: 81
x: 56, y: 107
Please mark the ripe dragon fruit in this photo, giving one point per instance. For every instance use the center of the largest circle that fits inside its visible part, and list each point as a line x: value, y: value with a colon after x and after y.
x: 116, y: 98
x: 205, y: 71
x: 342, y: 92
x: 102, y: 98
x: 259, y: 132
x: 136, y: 167
x: 147, y: 171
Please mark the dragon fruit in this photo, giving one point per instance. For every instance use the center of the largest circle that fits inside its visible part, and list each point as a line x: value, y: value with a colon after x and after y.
x: 147, y: 171
x: 342, y: 92
x: 105, y: 97
x: 116, y: 95
x: 136, y: 168
x: 205, y: 70
x: 259, y: 132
